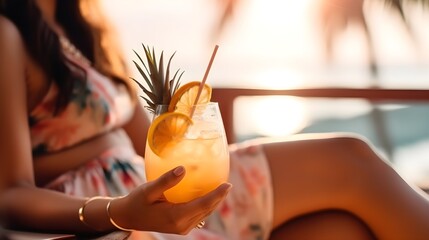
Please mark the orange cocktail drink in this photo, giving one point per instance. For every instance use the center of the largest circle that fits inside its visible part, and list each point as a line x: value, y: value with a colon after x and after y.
x: 199, y: 145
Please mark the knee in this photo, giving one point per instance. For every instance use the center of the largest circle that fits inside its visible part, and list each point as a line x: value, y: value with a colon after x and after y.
x: 354, y: 147
x: 323, y: 154
x: 355, y: 160
x: 349, y: 140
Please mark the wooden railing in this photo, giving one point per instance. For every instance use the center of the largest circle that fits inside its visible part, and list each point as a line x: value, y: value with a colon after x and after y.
x: 226, y: 96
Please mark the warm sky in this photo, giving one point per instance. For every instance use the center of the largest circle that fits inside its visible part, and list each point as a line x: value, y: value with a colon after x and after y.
x: 271, y: 43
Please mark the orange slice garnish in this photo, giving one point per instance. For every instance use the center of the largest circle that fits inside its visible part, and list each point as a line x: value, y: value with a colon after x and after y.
x: 166, y: 129
x: 184, y: 98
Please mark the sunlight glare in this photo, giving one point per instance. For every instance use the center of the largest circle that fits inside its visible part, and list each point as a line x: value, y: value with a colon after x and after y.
x: 270, y: 116
x: 279, y: 116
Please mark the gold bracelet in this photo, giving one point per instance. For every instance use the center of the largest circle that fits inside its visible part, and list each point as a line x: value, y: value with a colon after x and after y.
x: 81, y: 209
x: 111, y: 219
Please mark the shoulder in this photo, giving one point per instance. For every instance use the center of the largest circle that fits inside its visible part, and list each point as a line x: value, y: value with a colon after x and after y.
x: 7, y: 26
x: 12, y: 49
x: 11, y: 41
x: 12, y: 56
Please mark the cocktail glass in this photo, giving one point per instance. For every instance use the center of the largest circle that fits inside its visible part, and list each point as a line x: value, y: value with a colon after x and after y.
x: 203, y: 151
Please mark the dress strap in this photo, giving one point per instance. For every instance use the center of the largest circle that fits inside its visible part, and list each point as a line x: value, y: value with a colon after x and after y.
x: 72, y: 50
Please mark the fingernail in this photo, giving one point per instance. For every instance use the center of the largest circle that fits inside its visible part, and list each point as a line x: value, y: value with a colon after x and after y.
x: 226, y: 186
x: 179, y: 171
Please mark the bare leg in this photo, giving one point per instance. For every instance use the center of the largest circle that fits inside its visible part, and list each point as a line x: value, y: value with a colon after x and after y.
x: 324, y: 172
x: 327, y: 225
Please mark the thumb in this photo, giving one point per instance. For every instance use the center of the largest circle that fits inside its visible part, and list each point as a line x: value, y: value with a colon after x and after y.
x: 166, y: 181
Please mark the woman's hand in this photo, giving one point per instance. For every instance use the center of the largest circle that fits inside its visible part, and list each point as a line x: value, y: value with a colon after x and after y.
x: 146, y: 208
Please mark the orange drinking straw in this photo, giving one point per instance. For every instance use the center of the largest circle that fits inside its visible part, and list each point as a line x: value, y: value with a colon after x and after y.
x: 200, y: 88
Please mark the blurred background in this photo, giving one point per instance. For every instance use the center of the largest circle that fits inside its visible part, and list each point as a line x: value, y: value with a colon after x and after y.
x: 287, y: 44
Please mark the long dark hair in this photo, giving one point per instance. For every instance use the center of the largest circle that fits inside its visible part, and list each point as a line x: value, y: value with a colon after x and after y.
x: 43, y: 43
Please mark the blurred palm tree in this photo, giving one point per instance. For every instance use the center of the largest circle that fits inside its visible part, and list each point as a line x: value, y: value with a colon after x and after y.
x: 335, y: 16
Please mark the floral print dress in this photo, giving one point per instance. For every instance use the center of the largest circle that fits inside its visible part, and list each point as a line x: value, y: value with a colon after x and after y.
x: 98, y: 105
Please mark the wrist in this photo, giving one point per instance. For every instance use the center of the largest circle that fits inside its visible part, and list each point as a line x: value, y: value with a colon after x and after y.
x: 93, y: 214
x: 116, y: 214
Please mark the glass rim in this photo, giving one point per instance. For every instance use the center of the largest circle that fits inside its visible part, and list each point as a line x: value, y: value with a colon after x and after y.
x: 197, y: 105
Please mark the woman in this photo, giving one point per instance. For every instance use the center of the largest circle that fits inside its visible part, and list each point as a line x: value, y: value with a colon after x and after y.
x: 72, y: 128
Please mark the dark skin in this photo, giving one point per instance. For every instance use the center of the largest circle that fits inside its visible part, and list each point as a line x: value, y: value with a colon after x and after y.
x: 311, y: 175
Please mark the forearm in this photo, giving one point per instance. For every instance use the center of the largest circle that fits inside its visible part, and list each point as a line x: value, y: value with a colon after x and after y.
x: 50, y: 166
x: 45, y: 210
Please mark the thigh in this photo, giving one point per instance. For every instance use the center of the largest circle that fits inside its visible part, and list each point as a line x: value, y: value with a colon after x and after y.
x: 310, y: 173
x: 326, y: 225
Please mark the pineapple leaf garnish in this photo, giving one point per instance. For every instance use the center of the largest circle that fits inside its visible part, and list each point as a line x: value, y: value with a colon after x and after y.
x: 160, y: 88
